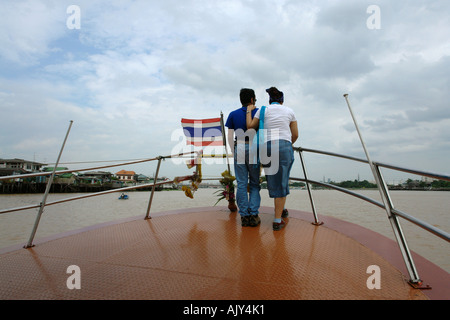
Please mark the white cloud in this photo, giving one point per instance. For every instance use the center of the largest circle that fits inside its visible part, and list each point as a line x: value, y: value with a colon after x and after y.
x: 28, y: 28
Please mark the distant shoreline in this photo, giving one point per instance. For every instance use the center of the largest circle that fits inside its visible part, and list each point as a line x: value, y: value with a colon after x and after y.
x: 27, y: 188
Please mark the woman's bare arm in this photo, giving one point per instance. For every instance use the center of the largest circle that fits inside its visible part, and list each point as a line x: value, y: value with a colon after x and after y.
x: 251, y: 123
x: 294, y: 131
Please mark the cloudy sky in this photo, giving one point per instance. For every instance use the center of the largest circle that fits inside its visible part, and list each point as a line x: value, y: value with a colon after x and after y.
x: 126, y: 72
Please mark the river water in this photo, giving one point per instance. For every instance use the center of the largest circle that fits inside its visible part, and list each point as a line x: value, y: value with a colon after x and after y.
x: 432, y: 207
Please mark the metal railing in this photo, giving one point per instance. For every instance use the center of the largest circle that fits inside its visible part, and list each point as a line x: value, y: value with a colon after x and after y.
x: 393, y: 213
x: 388, y: 205
x: 44, y: 203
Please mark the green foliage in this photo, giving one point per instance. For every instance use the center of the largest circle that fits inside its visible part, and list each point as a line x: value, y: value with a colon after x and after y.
x: 440, y: 184
x: 355, y: 184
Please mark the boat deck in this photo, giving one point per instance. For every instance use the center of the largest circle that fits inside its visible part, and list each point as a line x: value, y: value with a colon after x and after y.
x: 204, y: 253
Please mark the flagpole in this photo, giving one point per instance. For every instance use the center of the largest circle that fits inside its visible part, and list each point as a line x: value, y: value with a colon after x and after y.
x: 224, y: 139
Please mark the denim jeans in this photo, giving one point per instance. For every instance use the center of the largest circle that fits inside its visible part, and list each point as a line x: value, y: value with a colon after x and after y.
x: 278, y: 179
x: 247, y: 173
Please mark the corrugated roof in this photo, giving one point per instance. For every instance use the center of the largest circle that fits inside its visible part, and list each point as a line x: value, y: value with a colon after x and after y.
x: 124, y: 172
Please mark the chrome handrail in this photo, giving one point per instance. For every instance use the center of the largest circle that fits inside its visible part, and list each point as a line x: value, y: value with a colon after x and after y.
x: 440, y: 233
x: 380, y: 164
x: 93, y: 194
x: 393, y: 213
x: 38, y: 174
x: 424, y: 225
x: 43, y: 204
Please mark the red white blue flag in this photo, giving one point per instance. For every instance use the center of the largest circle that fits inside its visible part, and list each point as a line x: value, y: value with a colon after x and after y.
x: 203, y: 132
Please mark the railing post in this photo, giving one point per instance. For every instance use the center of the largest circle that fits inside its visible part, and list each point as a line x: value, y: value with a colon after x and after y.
x: 398, y: 232
x: 395, y: 223
x: 147, y: 216
x: 47, y: 190
x: 313, y: 207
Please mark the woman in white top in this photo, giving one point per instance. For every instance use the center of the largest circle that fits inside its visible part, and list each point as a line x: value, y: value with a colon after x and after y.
x: 280, y: 132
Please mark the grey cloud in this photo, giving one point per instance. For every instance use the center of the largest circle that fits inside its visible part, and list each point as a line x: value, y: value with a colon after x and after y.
x: 386, y: 123
x: 344, y: 16
x: 418, y: 87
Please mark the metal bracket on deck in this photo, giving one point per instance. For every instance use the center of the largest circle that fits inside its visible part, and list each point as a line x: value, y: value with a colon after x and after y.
x: 318, y: 223
x: 419, y: 285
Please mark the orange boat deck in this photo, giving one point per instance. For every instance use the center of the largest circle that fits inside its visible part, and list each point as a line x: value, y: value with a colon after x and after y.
x: 204, y: 254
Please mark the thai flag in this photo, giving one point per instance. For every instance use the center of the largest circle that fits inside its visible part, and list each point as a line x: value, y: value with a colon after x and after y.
x: 204, y: 132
